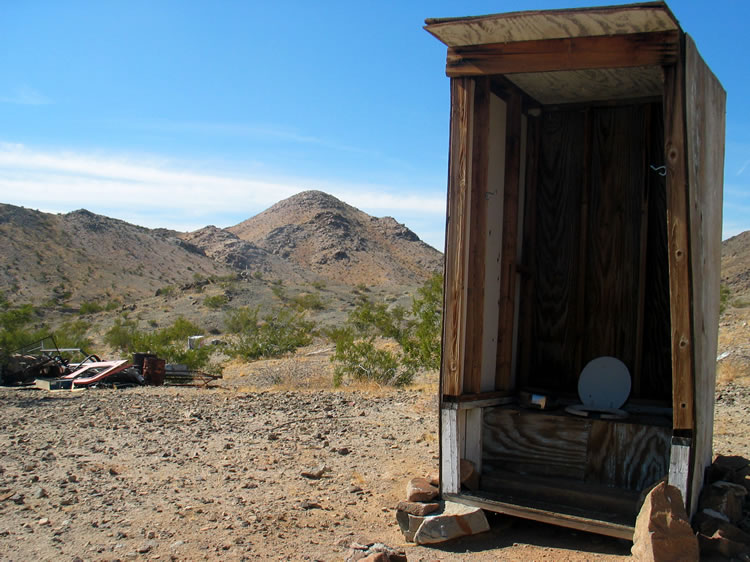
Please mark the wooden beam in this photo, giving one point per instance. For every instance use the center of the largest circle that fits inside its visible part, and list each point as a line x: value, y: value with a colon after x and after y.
x: 477, y: 228
x: 509, y: 259
x: 450, y: 446
x: 576, y: 53
x: 459, y: 172
x: 527, y: 308
x: 678, y: 240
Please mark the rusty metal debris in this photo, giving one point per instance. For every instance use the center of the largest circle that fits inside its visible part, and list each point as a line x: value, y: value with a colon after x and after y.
x: 47, y: 366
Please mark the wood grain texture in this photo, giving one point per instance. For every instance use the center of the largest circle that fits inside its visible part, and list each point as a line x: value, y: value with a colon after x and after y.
x: 613, y: 234
x: 527, y: 442
x: 576, y: 86
x: 551, y: 55
x: 584, y: 520
x: 528, y: 248
x: 494, y: 229
x: 477, y: 227
x: 555, y: 256
x: 509, y: 260
x: 656, y: 363
x: 550, y: 24
x: 705, y: 109
x: 449, y: 452
x: 678, y: 236
x: 626, y: 455
x: 459, y: 170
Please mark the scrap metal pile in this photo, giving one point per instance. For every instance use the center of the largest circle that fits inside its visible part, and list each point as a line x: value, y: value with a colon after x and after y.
x: 47, y: 366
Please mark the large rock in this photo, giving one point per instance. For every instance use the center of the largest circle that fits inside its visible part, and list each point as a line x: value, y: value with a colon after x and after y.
x: 662, y: 529
x: 456, y: 520
x: 420, y: 490
x: 715, y: 535
x: 725, y: 498
x: 418, y: 508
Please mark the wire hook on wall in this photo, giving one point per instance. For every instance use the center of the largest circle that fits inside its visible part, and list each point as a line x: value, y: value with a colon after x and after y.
x: 662, y: 170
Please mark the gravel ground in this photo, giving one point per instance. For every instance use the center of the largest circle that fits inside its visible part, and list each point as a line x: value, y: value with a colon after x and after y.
x: 192, y: 474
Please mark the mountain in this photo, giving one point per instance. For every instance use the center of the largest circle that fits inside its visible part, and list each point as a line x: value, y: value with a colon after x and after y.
x: 63, y: 260
x: 338, y: 242
x: 81, y: 256
x: 735, y: 263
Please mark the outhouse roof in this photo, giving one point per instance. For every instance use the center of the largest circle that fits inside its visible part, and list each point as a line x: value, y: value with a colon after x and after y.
x: 553, y: 24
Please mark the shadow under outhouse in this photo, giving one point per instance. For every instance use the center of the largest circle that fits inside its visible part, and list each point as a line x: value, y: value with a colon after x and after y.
x: 583, y: 222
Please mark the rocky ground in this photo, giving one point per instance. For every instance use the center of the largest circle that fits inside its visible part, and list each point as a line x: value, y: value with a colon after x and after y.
x: 237, y: 473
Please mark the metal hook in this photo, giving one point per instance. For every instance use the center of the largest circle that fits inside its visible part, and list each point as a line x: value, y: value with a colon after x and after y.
x: 662, y: 170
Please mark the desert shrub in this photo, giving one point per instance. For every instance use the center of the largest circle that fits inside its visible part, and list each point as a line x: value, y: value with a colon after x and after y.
x: 319, y: 285
x: 278, y: 291
x: 166, y: 291
x: 15, y: 329
x: 90, y: 307
x: 215, y: 302
x: 73, y: 335
x: 724, y: 294
x: 418, y: 338
x: 169, y: 343
x: 278, y: 332
x: 308, y: 301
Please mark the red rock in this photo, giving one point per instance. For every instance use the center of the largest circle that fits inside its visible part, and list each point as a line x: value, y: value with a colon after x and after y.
x: 376, y: 557
x: 418, y: 508
x: 662, y: 529
x: 420, y: 490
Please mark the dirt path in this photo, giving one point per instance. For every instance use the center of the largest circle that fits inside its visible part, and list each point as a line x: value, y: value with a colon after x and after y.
x: 188, y: 474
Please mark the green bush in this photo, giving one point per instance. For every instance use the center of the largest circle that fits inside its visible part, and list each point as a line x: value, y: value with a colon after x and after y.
x: 418, y: 338
x: 216, y: 302
x: 724, y: 294
x: 168, y: 343
x: 279, y: 332
x: 90, y: 307
x: 308, y: 301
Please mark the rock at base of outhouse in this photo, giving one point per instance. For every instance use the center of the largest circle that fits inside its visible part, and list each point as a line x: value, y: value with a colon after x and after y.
x: 717, y: 535
x: 662, y: 529
x: 453, y: 521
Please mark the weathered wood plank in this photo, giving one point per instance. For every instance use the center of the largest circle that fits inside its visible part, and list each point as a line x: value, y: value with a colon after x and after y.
x: 555, y: 256
x: 656, y: 365
x: 509, y: 260
x: 459, y: 174
x: 637, y: 371
x: 494, y: 229
x: 594, y: 85
x: 477, y: 226
x: 553, y: 515
x: 576, y: 53
x: 520, y: 213
x: 528, y: 246
x: 546, y: 24
x: 613, y: 233
x: 678, y: 236
x: 705, y: 108
x: 450, y: 482
x: 626, y: 455
x: 528, y: 442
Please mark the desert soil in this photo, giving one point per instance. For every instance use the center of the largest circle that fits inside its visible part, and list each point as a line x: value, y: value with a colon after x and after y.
x: 206, y: 474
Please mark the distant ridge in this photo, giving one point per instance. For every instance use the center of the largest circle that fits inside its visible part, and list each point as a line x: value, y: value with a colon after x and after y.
x: 334, y: 240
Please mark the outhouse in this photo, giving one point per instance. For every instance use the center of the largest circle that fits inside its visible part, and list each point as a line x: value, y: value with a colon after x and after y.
x: 582, y: 262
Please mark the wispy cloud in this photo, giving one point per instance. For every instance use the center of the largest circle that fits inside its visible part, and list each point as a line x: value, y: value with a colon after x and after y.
x: 25, y: 95
x: 743, y: 168
x: 155, y: 191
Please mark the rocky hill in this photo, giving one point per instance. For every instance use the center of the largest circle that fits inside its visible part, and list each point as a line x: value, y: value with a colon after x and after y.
x: 80, y: 256
x: 336, y: 241
x: 63, y: 260
x: 735, y: 264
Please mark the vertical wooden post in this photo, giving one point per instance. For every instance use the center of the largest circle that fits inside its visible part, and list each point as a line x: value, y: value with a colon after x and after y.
x: 509, y: 260
x: 459, y: 174
x: 678, y: 240
x: 477, y: 232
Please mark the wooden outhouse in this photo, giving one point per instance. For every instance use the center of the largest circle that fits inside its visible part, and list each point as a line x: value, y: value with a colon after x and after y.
x: 583, y: 221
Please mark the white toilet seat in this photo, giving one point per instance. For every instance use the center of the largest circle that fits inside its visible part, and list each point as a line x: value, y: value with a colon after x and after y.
x: 603, y: 387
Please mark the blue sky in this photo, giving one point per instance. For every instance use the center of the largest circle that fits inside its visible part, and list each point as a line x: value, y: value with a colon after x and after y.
x: 182, y: 114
